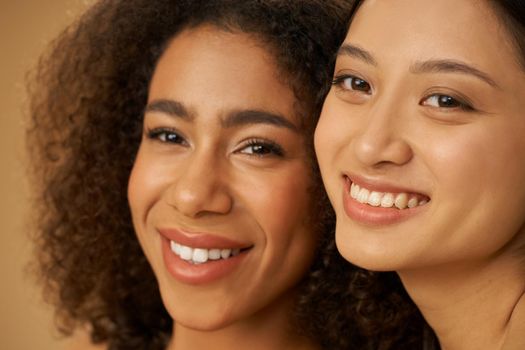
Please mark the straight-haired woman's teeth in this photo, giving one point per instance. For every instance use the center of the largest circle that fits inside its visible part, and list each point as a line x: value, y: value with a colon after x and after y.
x: 386, y: 199
x: 201, y: 255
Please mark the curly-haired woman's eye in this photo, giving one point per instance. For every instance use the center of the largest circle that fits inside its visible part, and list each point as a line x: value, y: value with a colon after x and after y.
x: 167, y: 136
x: 262, y: 148
x: 351, y: 83
x: 446, y: 101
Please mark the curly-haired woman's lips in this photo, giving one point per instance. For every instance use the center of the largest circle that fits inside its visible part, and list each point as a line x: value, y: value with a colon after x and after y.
x: 199, y: 258
x: 379, y: 204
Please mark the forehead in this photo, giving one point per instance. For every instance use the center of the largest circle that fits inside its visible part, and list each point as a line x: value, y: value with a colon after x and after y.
x: 466, y: 30
x: 233, y: 69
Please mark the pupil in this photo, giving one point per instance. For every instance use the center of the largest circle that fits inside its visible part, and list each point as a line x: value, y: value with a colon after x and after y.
x: 172, y: 137
x: 259, y: 149
x: 359, y: 84
x: 447, y: 101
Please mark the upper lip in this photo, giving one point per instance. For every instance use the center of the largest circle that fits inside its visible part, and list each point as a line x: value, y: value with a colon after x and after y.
x: 201, y: 239
x: 379, y: 185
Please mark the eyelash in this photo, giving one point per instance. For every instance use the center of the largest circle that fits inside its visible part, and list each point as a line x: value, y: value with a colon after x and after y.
x: 269, y: 148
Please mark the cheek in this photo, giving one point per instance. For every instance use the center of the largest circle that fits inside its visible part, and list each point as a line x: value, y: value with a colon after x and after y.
x: 479, y: 177
x: 283, y: 209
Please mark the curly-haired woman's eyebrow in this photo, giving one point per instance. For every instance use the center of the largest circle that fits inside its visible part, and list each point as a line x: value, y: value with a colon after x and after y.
x: 248, y: 117
x: 170, y: 107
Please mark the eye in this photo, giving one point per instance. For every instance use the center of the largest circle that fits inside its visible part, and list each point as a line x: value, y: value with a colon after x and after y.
x: 262, y: 148
x: 166, y: 135
x: 446, y: 101
x: 352, y: 83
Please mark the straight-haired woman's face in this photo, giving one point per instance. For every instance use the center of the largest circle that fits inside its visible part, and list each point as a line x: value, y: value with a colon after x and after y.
x: 421, y: 141
x: 220, y: 192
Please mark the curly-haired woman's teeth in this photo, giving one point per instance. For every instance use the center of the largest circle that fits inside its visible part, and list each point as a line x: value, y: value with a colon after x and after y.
x: 386, y: 199
x: 201, y: 255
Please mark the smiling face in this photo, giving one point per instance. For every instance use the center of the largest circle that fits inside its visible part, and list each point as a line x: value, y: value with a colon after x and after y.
x: 421, y: 141
x: 220, y: 189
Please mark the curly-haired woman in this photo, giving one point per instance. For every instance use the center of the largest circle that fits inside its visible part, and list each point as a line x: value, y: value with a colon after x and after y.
x: 200, y: 113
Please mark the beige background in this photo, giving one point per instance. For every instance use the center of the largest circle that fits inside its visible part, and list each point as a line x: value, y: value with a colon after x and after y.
x: 25, y: 28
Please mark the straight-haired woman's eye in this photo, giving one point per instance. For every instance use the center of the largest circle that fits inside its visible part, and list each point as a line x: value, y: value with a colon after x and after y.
x: 447, y: 102
x: 351, y: 83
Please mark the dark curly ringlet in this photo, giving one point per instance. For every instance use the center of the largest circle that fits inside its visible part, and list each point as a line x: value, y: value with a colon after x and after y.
x: 88, y: 94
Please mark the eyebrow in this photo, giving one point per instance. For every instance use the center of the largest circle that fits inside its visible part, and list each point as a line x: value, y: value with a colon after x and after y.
x: 250, y: 117
x: 354, y: 51
x: 233, y: 119
x: 451, y: 66
x: 170, y: 107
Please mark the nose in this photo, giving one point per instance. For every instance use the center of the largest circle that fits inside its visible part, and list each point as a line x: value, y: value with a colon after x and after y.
x: 381, y: 140
x: 200, y: 187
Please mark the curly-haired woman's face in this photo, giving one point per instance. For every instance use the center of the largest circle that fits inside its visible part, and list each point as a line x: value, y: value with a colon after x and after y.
x: 421, y: 141
x: 220, y: 190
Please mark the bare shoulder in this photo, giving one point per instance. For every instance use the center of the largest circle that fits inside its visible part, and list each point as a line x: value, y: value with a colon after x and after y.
x: 516, y: 335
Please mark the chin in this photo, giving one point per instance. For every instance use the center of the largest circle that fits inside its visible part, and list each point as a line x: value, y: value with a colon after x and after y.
x: 373, y: 257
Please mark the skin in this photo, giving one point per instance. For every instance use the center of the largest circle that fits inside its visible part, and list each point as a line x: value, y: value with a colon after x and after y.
x: 460, y: 256
x: 247, y: 181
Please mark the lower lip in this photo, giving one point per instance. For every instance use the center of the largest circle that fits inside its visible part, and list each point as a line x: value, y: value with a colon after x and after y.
x: 375, y: 216
x: 196, y: 274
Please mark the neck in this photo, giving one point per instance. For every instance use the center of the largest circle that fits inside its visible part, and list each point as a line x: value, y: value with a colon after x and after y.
x: 468, y: 305
x: 270, y: 328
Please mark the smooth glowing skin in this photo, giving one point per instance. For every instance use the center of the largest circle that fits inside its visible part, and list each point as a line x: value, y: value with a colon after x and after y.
x: 222, y: 177
x: 458, y: 254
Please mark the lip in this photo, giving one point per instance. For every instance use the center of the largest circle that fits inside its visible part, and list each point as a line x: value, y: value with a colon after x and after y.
x: 377, y: 216
x: 199, y: 274
x: 201, y: 239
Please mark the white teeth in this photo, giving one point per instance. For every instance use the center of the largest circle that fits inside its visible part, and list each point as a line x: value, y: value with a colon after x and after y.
x: 214, y: 254
x: 385, y: 199
x: 354, y: 190
x: 186, y: 253
x: 401, y: 201
x: 388, y: 200
x: 225, y: 253
x: 201, y: 255
x: 374, y: 199
x: 362, y: 197
x: 412, y: 202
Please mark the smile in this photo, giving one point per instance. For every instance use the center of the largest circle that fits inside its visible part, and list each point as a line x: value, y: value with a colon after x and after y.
x: 378, y: 204
x: 202, y: 255
x: 402, y: 200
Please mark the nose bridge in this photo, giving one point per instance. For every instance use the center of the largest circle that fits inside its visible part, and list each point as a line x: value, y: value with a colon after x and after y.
x: 200, y: 185
x: 382, y: 135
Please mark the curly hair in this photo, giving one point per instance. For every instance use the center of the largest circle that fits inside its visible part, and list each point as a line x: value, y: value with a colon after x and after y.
x: 88, y: 95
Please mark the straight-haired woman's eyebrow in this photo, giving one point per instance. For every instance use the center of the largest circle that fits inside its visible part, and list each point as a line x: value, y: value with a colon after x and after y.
x: 248, y: 117
x: 451, y: 66
x: 170, y: 107
x: 355, y: 51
